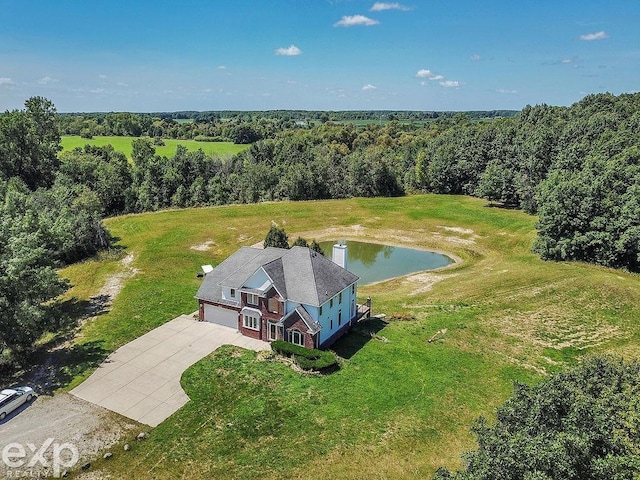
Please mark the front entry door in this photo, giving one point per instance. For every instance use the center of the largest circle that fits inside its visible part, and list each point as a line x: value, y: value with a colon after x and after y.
x: 273, y: 331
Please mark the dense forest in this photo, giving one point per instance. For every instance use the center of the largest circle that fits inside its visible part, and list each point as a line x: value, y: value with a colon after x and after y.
x: 576, y: 167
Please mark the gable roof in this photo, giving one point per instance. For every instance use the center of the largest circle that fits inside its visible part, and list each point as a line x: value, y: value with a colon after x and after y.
x: 299, y: 313
x: 299, y: 274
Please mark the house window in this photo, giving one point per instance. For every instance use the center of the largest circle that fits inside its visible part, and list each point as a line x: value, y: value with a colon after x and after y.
x: 251, y: 322
x: 272, y: 305
x: 320, y: 311
x: 233, y: 293
x: 340, y: 318
x: 252, y: 299
x: 340, y: 297
x: 331, y: 303
x: 331, y: 324
x: 296, y: 337
x: 353, y: 289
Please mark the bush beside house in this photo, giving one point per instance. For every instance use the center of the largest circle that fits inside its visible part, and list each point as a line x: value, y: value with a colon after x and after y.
x: 306, y: 358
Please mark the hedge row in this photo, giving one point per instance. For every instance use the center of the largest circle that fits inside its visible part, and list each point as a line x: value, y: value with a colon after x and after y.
x: 306, y: 358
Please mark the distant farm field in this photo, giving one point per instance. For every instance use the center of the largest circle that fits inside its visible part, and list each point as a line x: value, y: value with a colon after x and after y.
x: 447, y: 348
x: 123, y: 144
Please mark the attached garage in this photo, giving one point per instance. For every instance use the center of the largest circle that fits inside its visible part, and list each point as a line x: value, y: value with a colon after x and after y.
x: 221, y: 316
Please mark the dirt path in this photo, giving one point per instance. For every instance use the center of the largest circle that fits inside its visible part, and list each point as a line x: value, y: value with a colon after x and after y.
x: 65, y: 419
x: 111, y: 288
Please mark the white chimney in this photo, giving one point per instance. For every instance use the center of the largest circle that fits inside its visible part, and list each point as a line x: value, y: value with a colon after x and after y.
x: 340, y: 255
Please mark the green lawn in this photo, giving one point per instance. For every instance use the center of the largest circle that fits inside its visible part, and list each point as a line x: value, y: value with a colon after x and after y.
x: 123, y: 144
x: 400, y: 406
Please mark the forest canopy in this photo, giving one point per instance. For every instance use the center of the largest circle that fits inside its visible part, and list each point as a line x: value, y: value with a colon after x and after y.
x: 581, y: 424
x: 577, y: 168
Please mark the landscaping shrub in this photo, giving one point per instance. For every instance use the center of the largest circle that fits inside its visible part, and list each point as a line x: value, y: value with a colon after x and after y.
x: 306, y: 358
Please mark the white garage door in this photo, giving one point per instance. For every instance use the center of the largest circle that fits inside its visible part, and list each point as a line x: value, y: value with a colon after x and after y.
x: 221, y: 316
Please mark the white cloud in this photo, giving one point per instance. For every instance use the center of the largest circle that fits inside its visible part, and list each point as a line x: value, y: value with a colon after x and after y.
x: 291, y: 51
x: 505, y: 91
x: 97, y: 90
x: 594, y: 36
x: 428, y: 74
x: 46, y: 80
x: 450, y: 83
x: 475, y: 57
x: 354, y: 20
x: 380, y: 6
x: 368, y: 86
x: 6, y: 81
x: 222, y: 67
x: 102, y: 75
x: 122, y: 84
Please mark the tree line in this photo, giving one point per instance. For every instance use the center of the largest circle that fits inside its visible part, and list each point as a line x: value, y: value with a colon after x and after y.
x: 235, y: 126
x: 46, y: 221
x: 577, y: 168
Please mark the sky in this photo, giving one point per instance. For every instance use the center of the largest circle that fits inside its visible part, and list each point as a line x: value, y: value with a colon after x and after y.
x: 456, y: 55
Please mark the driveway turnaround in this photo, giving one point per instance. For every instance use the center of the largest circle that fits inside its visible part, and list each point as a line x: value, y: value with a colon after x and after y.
x: 141, y: 380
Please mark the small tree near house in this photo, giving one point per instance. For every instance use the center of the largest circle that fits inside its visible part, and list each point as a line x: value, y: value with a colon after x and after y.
x: 276, y: 237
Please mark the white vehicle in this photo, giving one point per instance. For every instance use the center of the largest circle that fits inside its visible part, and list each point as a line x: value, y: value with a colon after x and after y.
x: 12, y: 398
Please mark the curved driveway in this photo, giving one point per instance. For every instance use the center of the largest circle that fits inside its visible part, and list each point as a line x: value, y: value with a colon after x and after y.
x: 141, y: 380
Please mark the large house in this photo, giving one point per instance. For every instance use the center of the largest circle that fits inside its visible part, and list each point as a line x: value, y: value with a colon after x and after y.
x: 296, y: 295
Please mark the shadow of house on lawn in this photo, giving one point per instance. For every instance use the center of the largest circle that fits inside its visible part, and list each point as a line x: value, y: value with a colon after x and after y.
x: 361, y: 334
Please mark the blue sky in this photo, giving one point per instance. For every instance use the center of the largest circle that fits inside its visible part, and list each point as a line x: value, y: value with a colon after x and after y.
x: 160, y: 55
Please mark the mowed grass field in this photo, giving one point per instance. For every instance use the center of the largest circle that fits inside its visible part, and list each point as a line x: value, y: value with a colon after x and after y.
x: 400, y: 406
x: 123, y: 144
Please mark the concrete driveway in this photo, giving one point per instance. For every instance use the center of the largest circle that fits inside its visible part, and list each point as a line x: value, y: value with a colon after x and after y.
x: 141, y: 380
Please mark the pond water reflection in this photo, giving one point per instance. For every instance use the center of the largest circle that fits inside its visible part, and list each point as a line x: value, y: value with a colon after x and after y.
x: 374, y: 262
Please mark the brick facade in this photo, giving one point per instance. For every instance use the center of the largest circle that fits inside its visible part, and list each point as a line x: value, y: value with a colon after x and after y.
x: 268, y: 316
x: 263, y: 307
x: 302, y: 328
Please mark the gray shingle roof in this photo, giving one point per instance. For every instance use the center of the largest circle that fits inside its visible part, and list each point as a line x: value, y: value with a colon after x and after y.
x: 300, y: 275
x: 234, y: 271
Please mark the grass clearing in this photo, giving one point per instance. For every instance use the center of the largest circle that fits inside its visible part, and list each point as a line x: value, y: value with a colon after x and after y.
x: 123, y: 144
x: 400, y: 406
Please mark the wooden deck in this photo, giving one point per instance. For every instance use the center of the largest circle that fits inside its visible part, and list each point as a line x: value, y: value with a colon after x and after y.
x: 363, y: 310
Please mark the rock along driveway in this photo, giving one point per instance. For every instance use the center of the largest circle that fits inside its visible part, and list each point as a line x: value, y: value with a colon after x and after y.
x: 141, y: 380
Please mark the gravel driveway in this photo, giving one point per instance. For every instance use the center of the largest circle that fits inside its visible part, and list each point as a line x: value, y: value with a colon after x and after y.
x: 65, y: 419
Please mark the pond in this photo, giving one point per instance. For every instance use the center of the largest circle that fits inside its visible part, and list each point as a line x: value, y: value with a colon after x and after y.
x: 374, y: 262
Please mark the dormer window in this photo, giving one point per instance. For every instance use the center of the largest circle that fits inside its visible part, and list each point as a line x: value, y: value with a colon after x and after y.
x: 252, y: 299
x: 233, y: 293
